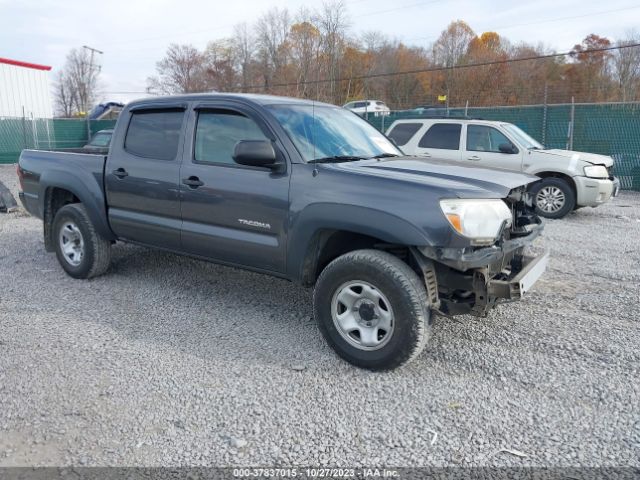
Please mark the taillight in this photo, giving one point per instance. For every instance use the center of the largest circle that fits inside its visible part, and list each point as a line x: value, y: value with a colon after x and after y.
x: 20, y: 176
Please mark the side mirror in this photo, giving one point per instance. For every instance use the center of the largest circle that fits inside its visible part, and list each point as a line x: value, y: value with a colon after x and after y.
x: 255, y: 153
x: 507, y: 148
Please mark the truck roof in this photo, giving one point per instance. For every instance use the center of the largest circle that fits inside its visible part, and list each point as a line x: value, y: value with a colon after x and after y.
x: 247, y: 97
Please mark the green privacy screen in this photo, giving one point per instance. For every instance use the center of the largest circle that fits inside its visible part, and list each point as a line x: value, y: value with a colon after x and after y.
x: 609, y: 129
x: 46, y: 134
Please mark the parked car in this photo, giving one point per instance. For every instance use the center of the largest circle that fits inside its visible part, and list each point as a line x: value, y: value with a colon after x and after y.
x: 569, y: 179
x: 370, y: 107
x: 431, y: 110
x: 303, y: 191
x: 99, y: 143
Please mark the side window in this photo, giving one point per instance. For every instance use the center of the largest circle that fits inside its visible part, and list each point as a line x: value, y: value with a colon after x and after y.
x: 403, y: 132
x: 445, y: 136
x: 217, y: 133
x: 481, y: 138
x: 154, y: 134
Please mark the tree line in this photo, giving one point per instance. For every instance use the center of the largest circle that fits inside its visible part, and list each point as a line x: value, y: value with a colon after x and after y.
x: 315, y: 54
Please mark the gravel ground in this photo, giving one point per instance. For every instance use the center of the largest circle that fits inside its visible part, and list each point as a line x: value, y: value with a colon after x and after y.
x: 171, y: 361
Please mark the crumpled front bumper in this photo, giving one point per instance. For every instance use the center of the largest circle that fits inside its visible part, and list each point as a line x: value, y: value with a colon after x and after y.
x: 464, y: 258
x: 473, y: 281
x: 519, y: 282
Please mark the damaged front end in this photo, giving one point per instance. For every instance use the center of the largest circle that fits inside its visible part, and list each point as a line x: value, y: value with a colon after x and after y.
x: 472, y: 280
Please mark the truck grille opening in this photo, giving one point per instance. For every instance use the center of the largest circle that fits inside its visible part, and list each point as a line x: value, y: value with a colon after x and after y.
x: 523, y: 213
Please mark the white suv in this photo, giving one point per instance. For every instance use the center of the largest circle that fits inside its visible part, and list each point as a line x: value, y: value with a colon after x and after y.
x: 569, y: 179
x: 374, y: 107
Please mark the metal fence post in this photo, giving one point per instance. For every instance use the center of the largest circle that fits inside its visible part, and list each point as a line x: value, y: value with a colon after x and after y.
x: 544, y: 116
x: 572, y: 123
x: 24, y: 129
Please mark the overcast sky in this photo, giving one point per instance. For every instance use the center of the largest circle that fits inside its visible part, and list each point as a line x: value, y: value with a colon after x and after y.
x: 135, y: 33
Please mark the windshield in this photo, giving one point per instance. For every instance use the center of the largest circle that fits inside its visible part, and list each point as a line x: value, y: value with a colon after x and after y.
x: 523, y: 138
x: 327, y: 132
x: 101, y: 140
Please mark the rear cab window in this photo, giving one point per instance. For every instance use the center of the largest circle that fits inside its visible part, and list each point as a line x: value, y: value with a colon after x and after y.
x: 401, y: 133
x: 154, y: 134
x: 442, y: 136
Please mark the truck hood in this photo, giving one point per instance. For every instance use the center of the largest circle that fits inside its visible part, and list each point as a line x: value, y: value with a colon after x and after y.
x: 460, y: 180
x: 592, y: 158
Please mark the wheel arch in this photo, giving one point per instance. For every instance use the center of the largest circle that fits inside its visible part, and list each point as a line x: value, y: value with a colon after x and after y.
x: 560, y: 175
x: 58, y: 191
x: 324, y: 234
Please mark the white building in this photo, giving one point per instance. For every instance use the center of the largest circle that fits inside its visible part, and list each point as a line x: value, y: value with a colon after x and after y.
x: 24, y: 89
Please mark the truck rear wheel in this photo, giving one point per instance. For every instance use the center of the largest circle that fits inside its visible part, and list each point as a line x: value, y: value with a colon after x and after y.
x: 553, y: 197
x: 82, y: 253
x: 372, y: 309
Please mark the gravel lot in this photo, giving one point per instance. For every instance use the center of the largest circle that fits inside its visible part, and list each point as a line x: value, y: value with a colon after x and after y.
x: 171, y: 361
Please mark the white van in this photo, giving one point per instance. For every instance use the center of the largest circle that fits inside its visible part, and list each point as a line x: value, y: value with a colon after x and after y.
x: 570, y: 179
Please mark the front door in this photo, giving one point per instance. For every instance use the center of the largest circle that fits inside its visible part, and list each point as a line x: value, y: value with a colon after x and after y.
x: 483, y: 147
x: 232, y: 213
x: 142, y: 178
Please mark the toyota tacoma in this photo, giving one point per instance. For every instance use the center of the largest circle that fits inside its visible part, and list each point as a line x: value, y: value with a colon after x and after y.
x: 301, y: 190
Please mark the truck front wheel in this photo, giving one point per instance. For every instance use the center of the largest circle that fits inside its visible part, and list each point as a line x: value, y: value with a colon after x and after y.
x: 372, y: 309
x: 82, y: 253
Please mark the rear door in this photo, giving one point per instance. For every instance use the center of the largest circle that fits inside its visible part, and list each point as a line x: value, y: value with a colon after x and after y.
x: 232, y: 213
x: 440, y: 141
x: 142, y: 176
x: 482, y: 147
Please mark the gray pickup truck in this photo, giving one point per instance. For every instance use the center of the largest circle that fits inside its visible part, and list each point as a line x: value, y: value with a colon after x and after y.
x: 300, y: 190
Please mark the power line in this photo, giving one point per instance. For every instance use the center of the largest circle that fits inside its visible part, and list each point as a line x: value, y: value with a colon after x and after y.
x: 440, y: 69
x: 538, y: 22
x: 404, y: 7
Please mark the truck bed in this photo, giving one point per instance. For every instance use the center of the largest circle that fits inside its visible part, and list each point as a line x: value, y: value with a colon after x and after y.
x: 58, y: 168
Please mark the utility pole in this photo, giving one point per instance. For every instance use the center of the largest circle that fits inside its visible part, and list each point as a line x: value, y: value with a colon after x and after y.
x: 90, y: 83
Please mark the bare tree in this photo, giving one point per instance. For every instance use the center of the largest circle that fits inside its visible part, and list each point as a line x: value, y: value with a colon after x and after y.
x: 63, y: 95
x: 333, y: 23
x: 182, y: 70
x: 243, y: 44
x: 76, y: 87
x: 273, y: 31
x: 220, y: 66
x: 626, y: 67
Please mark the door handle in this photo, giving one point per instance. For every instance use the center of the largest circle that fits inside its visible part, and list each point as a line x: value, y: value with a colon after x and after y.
x: 120, y: 172
x: 474, y: 157
x: 426, y: 155
x: 193, y: 182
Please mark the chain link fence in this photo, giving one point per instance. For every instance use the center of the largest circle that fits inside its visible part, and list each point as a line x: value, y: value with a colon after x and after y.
x: 18, y: 133
x: 606, y: 128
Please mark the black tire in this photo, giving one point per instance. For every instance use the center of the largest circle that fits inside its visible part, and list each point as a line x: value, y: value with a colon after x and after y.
x: 564, y: 187
x: 96, y: 255
x: 406, y: 295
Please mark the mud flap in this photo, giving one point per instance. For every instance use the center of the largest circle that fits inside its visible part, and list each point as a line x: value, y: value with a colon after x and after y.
x: 7, y: 202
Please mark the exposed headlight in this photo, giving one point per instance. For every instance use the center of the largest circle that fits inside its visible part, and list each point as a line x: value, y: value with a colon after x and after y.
x: 480, y: 220
x: 596, y: 171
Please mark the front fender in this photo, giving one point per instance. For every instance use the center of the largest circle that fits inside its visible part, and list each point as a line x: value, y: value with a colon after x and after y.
x: 305, y: 225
